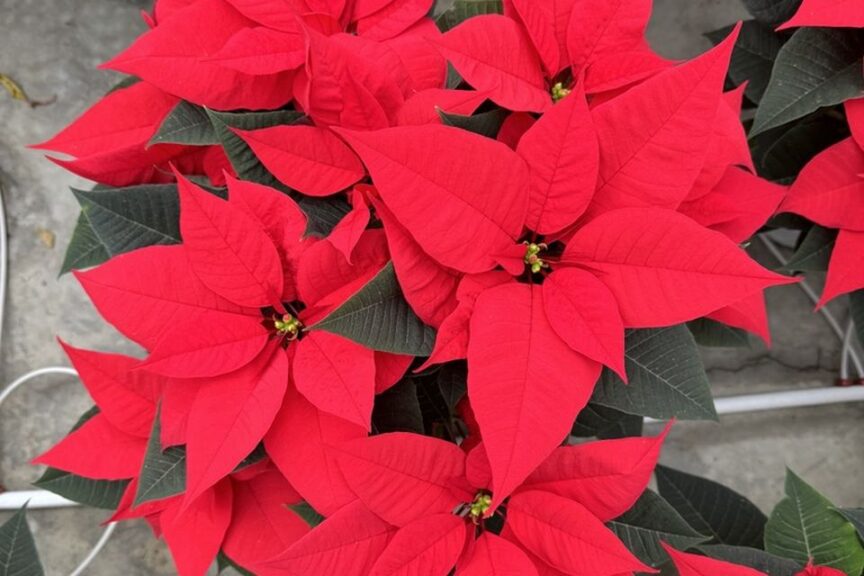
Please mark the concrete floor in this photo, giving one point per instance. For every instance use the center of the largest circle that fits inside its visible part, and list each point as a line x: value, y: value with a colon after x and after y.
x: 52, y: 48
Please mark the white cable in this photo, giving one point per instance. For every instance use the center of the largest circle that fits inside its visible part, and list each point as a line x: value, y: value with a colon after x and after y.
x: 847, y: 351
x: 34, y: 499
x: 103, y: 540
x: 826, y: 313
x: 37, y: 498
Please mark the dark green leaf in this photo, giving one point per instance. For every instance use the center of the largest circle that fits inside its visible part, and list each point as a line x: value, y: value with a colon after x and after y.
x: 398, y: 409
x: 307, y: 513
x: 856, y: 308
x: 606, y: 423
x: 484, y: 123
x: 379, y: 318
x: 648, y: 522
x: 454, y: 79
x: 164, y: 471
x: 780, y: 154
x: 814, y: 252
x: 97, y: 493
x: 805, y: 525
x: 223, y: 562
x: 754, y: 558
x: 125, y: 219
x: 464, y: 9
x: 438, y: 419
x: 856, y: 517
x: 667, y: 379
x: 124, y: 83
x: 753, y: 57
x: 257, y: 455
x: 244, y: 161
x: 453, y: 383
x: 18, y: 555
x: 712, y: 509
x: 84, y: 248
x: 713, y: 334
x: 104, y: 494
x: 772, y: 12
x: 186, y: 124
x: 818, y: 67
x: 323, y: 213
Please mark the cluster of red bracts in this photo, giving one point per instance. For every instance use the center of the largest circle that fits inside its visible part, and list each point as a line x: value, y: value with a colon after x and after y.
x: 615, y: 196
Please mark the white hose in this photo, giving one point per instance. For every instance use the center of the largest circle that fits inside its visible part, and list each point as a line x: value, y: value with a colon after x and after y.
x: 826, y: 313
x: 36, y: 498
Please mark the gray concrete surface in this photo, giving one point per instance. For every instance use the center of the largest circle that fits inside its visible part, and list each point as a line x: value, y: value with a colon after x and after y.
x: 52, y: 48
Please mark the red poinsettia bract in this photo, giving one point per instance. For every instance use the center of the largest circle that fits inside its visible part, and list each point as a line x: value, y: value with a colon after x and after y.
x: 423, y: 507
x: 828, y: 192
x: 695, y: 565
x: 227, y: 314
x: 243, y: 514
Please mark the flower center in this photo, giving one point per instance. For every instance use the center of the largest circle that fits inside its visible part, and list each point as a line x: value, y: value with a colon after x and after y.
x: 481, y: 504
x: 532, y: 256
x: 559, y: 92
x: 288, y: 326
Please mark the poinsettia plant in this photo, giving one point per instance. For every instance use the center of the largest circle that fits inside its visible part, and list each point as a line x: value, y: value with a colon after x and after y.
x: 385, y: 268
x: 808, y: 131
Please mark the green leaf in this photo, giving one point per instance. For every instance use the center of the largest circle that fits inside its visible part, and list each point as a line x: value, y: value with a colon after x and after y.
x: 223, y: 562
x: 856, y: 308
x: 464, y: 9
x: 379, y: 318
x: 712, y: 509
x: 244, y: 161
x: 606, y: 423
x: 485, y: 123
x: 818, y: 67
x: 753, y: 57
x: 18, y: 555
x: 186, y: 124
x: 648, y: 522
x: 105, y: 494
x: 814, y: 252
x: 772, y: 12
x: 454, y: 79
x: 398, y: 409
x: 307, y: 513
x: 754, y: 558
x: 452, y: 381
x: 667, y: 379
x: 713, y: 334
x: 257, y: 455
x: 781, y: 153
x: 97, y: 493
x: 805, y: 525
x: 124, y: 83
x: 84, y: 248
x: 163, y: 473
x: 125, y: 219
x: 323, y: 214
x: 856, y: 517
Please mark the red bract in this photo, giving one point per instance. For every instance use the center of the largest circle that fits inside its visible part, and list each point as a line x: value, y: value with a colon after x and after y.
x: 230, y: 515
x: 109, y: 142
x: 615, y: 195
x: 425, y: 505
x: 828, y: 192
x: 837, y: 13
x: 695, y: 565
x: 176, y: 292
x: 524, y: 400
